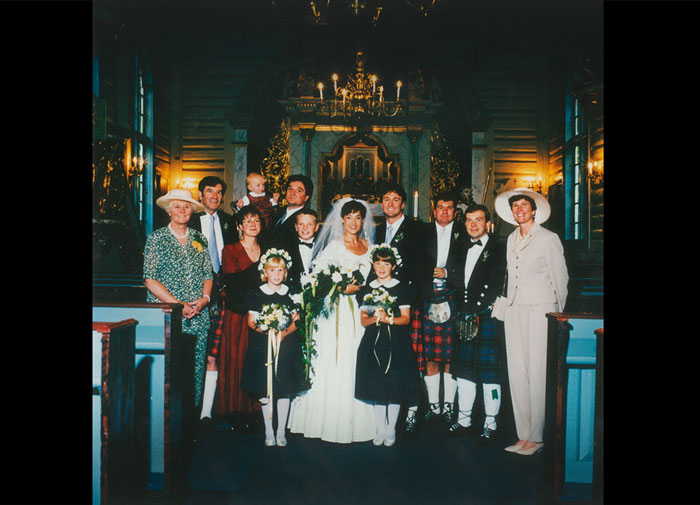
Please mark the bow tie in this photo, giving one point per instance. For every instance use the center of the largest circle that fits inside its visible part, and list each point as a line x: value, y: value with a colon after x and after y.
x: 478, y: 242
x: 307, y: 244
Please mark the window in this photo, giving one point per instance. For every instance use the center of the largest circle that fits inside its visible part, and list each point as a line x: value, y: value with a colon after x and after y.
x: 142, y: 180
x: 575, y: 160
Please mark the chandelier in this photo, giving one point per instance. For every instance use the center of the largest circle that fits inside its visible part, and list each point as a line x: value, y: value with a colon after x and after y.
x: 360, y: 97
x: 372, y: 8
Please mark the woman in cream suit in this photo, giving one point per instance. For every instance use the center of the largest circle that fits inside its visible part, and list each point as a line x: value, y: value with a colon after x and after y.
x: 537, y: 284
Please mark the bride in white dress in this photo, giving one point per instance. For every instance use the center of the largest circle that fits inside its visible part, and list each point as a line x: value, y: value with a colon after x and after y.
x: 329, y: 410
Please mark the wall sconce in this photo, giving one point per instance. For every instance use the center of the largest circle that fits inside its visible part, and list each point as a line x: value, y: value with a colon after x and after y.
x: 595, y: 171
x: 535, y: 186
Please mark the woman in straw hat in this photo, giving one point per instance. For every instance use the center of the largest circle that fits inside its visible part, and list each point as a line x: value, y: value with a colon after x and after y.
x: 177, y: 269
x: 537, y: 284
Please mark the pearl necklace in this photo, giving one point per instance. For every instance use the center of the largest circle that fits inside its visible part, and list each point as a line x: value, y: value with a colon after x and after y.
x: 181, y: 237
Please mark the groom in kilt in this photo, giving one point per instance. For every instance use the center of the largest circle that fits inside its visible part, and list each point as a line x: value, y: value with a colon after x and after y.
x: 479, y: 350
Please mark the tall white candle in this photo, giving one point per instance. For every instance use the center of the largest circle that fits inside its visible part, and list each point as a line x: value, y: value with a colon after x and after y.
x: 415, y: 204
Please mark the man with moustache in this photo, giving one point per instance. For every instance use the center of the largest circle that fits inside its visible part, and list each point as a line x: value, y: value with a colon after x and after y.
x: 480, y: 274
x: 432, y: 327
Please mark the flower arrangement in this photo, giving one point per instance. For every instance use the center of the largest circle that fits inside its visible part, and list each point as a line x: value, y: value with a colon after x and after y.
x: 274, y: 317
x: 386, y: 250
x: 275, y: 253
x: 378, y: 300
x: 321, y: 290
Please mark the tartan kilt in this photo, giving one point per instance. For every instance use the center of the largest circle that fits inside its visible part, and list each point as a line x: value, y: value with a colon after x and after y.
x: 432, y: 341
x: 481, y: 360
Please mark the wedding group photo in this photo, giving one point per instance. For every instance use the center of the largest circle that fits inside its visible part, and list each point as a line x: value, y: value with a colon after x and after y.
x: 347, y: 252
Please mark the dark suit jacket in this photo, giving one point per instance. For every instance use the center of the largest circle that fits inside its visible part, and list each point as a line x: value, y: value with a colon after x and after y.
x: 409, y: 240
x: 430, y: 239
x: 294, y: 273
x: 280, y: 236
x: 229, y: 229
x: 486, y: 281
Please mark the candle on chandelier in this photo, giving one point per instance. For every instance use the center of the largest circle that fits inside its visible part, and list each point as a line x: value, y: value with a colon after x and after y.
x: 344, y: 92
x: 335, y: 83
x: 374, y: 83
x: 415, y: 199
x: 381, y: 92
x: 320, y: 89
x: 398, y: 90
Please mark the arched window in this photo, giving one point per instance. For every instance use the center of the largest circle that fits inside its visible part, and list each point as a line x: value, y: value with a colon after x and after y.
x: 142, y: 166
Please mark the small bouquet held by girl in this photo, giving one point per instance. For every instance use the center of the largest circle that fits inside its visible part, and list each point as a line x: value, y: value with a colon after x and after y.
x: 273, y: 364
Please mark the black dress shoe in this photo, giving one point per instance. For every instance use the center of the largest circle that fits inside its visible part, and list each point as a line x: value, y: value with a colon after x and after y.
x: 448, y: 415
x: 456, y: 430
x: 431, y: 416
x: 410, y: 429
x: 487, y: 436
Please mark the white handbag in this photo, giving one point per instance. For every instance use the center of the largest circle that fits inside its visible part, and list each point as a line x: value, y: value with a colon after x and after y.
x: 501, y: 302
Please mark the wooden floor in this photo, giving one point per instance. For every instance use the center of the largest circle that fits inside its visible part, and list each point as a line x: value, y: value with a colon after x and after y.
x: 234, y: 468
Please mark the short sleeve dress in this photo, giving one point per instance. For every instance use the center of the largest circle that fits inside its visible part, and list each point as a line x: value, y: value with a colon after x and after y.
x: 387, y: 371
x: 287, y: 381
x: 182, y: 269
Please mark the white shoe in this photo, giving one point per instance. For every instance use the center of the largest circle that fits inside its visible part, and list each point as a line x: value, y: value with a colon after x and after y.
x: 378, y: 441
x: 389, y: 442
x: 281, y: 441
x: 532, y: 450
x: 269, y: 442
x: 515, y: 447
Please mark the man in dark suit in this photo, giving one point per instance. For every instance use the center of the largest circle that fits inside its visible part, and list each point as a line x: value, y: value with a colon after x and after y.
x: 306, y: 225
x: 480, y: 276
x: 299, y: 190
x: 432, y: 325
x: 220, y: 229
x: 403, y: 233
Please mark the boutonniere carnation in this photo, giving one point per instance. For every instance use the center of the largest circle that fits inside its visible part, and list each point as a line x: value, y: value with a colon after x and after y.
x: 485, y: 256
x: 398, y: 237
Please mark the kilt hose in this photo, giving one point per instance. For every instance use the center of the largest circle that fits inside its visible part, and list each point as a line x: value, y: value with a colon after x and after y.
x: 432, y: 341
x: 481, y: 360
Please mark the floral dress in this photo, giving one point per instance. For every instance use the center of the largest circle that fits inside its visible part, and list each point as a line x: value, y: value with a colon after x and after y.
x: 182, y: 269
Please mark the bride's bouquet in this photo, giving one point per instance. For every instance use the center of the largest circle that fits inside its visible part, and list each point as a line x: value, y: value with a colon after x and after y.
x: 321, y: 291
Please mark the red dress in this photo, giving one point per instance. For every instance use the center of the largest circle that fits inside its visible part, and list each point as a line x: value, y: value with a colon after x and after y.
x: 233, y: 336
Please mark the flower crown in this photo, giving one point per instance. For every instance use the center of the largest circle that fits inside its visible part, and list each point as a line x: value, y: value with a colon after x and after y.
x: 386, y: 250
x: 275, y: 253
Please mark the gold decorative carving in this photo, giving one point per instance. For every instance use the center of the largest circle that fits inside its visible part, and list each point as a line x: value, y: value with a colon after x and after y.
x: 275, y: 166
x: 444, y: 170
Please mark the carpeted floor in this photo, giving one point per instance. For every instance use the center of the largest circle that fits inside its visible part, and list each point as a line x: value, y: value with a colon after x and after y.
x: 234, y: 468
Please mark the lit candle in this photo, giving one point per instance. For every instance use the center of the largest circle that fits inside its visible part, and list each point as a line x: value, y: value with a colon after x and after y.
x: 398, y: 90
x: 335, y: 83
x: 320, y: 89
x: 344, y: 92
x: 374, y: 83
x: 415, y: 201
x: 381, y: 91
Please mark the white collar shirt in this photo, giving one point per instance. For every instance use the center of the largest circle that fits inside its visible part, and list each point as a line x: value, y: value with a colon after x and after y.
x: 443, y: 244
x: 472, y: 257
x: 205, y: 221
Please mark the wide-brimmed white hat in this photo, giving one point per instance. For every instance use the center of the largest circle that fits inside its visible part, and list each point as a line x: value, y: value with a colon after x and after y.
x: 505, y: 212
x: 179, y: 194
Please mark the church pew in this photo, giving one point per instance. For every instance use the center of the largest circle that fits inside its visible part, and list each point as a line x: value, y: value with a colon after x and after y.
x: 571, y: 407
x: 163, y: 381
x: 113, y: 411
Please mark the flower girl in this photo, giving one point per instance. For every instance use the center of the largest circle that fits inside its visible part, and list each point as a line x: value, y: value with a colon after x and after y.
x: 387, y: 372
x: 273, y: 368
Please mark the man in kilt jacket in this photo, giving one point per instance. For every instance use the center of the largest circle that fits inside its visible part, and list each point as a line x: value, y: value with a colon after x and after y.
x: 432, y: 322
x: 481, y: 273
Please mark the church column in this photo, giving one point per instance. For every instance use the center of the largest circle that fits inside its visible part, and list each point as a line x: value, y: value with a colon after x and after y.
x: 236, y: 157
x: 414, y: 133
x: 306, y: 130
x: 482, y: 165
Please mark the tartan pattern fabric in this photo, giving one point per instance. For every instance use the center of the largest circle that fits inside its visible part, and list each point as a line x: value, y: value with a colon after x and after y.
x: 215, y: 336
x: 481, y: 360
x: 432, y: 341
x: 263, y: 204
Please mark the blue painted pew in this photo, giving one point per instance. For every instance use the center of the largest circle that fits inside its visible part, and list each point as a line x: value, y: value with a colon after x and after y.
x: 161, y: 356
x: 571, y: 405
x: 113, y: 411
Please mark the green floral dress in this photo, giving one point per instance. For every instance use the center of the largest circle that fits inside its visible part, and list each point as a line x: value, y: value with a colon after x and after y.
x: 182, y: 269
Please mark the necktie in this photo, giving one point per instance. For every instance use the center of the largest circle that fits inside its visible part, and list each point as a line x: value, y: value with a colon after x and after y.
x: 389, y: 234
x: 213, y: 248
x: 307, y: 244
